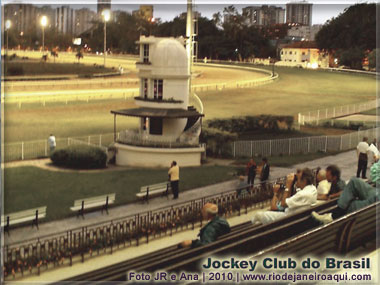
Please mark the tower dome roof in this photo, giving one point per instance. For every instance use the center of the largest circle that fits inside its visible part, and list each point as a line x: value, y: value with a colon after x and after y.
x: 169, y: 58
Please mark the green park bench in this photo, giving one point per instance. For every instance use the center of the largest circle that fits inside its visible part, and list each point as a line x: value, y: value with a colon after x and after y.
x: 22, y: 217
x: 153, y: 190
x: 93, y: 202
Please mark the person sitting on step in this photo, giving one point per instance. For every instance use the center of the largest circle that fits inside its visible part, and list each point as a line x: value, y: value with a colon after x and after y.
x: 212, y: 230
x: 357, y: 194
x: 284, y: 205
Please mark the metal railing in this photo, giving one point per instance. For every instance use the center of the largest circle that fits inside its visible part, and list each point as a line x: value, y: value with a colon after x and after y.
x: 328, y: 113
x: 77, y: 245
x: 301, y: 145
x: 133, y: 137
x: 39, y: 148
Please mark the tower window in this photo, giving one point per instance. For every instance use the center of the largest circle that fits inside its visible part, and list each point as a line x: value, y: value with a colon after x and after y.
x: 158, y: 89
x: 146, y: 53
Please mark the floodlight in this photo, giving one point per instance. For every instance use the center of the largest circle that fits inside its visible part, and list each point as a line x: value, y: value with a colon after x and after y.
x: 106, y: 15
x: 8, y: 24
x: 43, y: 21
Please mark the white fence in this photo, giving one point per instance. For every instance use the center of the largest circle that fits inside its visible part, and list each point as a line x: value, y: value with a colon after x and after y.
x: 39, y: 149
x: 74, y: 83
x: 237, y: 84
x: 301, y: 145
x: 328, y: 113
x: 70, y: 96
x: 45, y: 97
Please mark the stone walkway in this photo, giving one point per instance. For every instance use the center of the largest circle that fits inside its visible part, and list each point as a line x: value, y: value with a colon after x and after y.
x: 346, y: 161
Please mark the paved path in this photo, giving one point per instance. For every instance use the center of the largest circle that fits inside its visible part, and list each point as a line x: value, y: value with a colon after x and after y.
x: 346, y: 161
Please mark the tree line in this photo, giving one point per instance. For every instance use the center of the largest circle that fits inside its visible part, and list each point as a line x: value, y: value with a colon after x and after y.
x: 350, y: 37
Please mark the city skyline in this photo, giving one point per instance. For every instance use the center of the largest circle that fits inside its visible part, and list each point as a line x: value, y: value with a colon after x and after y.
x: 166, y: 10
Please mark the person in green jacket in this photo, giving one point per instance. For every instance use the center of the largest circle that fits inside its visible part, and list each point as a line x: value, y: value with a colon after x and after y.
x: 212, y: 230
x: 375, y: 172
x: 357, y: 194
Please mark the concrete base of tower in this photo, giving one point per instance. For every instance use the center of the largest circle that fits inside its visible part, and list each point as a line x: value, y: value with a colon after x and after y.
x: 128, y: 155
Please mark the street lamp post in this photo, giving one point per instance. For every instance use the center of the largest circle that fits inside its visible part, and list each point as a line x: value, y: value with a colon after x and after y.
x: 151, y: 23
x: 272, y: 61
x: 43, y: 24
x: 7, y: 27
x: 106, y: 15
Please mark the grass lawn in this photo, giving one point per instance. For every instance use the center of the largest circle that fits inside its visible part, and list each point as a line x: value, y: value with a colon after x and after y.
x: 27, y: 187
x: 297, y: 90
x: 373, y: 112
x: 35, y: 67
x: 72, y: 120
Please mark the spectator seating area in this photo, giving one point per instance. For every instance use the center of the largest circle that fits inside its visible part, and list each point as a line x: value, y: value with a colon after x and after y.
x: 296, y: 231
x: 342, y: 236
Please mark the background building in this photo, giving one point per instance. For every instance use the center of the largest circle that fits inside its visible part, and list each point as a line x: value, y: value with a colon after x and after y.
x: 299, y: 13
x: 145, y: 12
x: 21, y: 16
x: 26, y: 17
x: 307, y: 33
x: 64, y: 20
x: 264, y: 15
x: 103, y: 5
x: 303, y: 54
x: 84, y: 20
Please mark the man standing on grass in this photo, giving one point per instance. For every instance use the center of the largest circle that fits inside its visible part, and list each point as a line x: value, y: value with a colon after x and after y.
x: 174, y: 179
x: 52, y: 143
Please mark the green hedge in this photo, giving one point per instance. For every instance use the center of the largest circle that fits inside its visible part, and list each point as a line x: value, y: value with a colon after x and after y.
x: 80, y: 157
x: 252, y: 123
x: 218, y: 142
x: 350, y: 125
x: 14, y: 70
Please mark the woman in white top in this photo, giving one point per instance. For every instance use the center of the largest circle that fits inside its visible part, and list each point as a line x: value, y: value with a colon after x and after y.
x: 324, y: 186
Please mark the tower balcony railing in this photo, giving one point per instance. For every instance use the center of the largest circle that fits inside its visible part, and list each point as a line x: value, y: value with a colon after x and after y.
x: 158, y: 100
x: 144, y: 139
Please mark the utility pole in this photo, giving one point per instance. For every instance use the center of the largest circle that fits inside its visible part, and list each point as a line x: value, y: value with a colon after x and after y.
x: 189, y: 39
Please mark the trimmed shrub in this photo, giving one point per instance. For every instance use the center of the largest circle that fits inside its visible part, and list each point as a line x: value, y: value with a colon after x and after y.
x: 252, y: 123
x: 218, y: 142
x: 15, y: 70
x: 80, y: 157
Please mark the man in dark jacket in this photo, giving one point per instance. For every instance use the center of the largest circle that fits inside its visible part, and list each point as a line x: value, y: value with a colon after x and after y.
x: 251, y: 172
x: 264, y: 170
x: 212, y: 230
